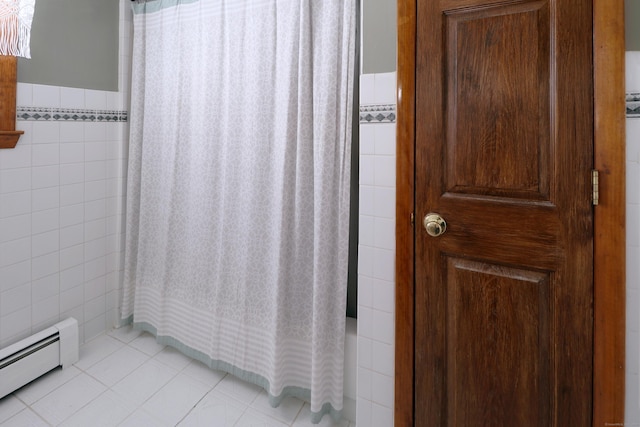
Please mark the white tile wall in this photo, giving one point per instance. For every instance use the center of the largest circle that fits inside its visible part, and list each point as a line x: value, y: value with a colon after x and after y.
x: 632, y: 377
x: 61, y: 210
x: 632, y: 80
x: 376, y: 258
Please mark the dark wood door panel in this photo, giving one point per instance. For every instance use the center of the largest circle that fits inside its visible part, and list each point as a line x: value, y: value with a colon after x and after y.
x: 498, y: 348
x: 504, y: 143
x: 587, y: 360
x: 507, y: 231
x: 497, y: 116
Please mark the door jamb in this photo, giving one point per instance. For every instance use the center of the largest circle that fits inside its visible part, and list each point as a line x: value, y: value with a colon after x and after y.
x: 609, y: 216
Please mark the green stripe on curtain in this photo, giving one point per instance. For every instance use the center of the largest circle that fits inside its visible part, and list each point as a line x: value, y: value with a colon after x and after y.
x: 151, y: 6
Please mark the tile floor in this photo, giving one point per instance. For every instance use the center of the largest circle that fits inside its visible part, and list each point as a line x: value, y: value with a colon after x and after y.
x: 125, y: 378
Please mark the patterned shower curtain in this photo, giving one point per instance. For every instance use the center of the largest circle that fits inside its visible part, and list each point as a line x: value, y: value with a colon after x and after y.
x: 238, y: 187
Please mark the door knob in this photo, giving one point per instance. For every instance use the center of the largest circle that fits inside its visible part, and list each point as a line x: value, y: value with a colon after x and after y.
x: 434, y: 224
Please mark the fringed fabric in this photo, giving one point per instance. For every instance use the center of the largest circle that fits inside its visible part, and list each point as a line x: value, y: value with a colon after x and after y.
x: 15, y: 27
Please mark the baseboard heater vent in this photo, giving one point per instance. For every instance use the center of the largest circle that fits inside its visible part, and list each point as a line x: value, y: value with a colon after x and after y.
x: 26, y: 360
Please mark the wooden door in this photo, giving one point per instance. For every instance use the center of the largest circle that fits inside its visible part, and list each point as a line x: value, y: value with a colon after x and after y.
x: 504, y: 153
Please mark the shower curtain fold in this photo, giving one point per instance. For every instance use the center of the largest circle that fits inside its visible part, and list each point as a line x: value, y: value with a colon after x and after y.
x: 236, y: 241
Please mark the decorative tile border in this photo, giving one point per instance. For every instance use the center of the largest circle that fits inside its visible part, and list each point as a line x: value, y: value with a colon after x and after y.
x: 70, y: 114
x: 384, y: 113
x: 633, y: 105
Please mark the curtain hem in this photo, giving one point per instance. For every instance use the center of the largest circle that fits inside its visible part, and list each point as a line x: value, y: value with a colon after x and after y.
x: 151, y: 6
x: 220, y: 365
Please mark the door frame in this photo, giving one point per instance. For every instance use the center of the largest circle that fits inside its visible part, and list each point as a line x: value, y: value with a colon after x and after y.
x: 609, y: 216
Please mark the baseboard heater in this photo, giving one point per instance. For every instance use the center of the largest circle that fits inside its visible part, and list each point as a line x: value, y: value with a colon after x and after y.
x: 28, y: 359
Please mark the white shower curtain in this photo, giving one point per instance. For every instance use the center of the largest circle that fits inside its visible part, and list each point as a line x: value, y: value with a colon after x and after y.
x: 238, y: 187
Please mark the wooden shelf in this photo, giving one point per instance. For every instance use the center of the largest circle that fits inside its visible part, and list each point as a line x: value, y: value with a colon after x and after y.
x: 9, y: 138
x: 8, y: 72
